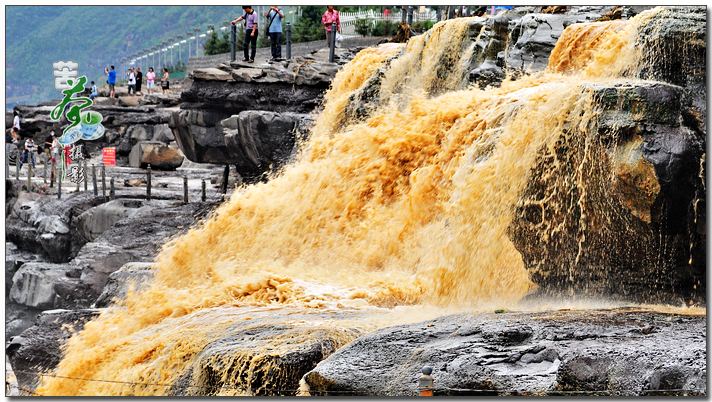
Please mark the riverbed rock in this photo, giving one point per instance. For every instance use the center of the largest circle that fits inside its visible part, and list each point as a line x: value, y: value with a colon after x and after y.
x: 136, y: 238
x: 155, y: 153
x: 38, y: 348
x: 552, y: 353
x: 134, y: 275
x: 637, y: 233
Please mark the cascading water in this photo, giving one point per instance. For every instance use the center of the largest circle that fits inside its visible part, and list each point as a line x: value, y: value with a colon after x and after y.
x: 406, y: 202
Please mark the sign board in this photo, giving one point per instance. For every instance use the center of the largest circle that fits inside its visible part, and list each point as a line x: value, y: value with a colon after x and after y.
x: 109, y: 156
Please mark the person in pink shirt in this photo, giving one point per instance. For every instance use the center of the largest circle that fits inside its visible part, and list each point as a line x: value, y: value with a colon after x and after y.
x: 330, y: 16
x: 150, y: 79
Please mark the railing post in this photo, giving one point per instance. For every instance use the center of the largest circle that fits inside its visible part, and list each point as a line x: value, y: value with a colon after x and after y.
x: 233, y: 39
x: 103, y: 181
x: 185, y: 189
x: 410, y: 17
x: 451, y: 12
x: 29, y: 177
x: 148, y: 183
x: 439, y: 15
x: 289, y: 41
x: 112, y: 192
x: 93, y: 174
x: 203, y: 188
x: 44, y: 176
x: 425, y: 382
x: 17, y: 168
x: 333, y: 42
x: 59, y: 186
x: 226, y: 176
x: 404, y: 14
x: 86, y: 182
x: 54, y: 173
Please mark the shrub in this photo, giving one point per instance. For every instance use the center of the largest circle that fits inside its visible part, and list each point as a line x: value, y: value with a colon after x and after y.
x: 362, y: 26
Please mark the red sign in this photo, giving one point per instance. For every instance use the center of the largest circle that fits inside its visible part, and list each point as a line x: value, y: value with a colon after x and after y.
x: 109, y: 156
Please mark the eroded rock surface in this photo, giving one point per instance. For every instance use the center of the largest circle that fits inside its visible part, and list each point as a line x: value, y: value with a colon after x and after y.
x: 628, y: 353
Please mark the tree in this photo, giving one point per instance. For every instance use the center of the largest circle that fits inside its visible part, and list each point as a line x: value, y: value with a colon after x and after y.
x: 362, y: 26
x: 215, y: 45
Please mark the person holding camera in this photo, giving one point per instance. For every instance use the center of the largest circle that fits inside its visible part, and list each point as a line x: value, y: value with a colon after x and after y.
x: 274, y: 29
x: 132, y: 80
x: 111, y: 81
x: 250, y: 17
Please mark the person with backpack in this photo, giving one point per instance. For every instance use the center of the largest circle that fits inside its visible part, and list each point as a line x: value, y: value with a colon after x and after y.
x: 274, y: 29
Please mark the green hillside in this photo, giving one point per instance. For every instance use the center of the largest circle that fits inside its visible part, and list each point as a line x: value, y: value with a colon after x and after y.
x: 93, y: 36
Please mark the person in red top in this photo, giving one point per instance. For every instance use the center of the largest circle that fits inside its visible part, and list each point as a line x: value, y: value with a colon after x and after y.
x: 329, y: 17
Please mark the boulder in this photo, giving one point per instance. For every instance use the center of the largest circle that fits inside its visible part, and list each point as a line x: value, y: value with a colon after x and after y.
x: 155, y: 153
x: 133, y: 275
x: 95, y: 221
x: 35, y: 285
x: 254, y: 141
x: 261, y: 138
x: 38, y: 348
x: 163, y: 133
x: 560, y: 353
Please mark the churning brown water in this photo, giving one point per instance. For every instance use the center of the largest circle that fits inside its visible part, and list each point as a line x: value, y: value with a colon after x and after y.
x: 407, y: 208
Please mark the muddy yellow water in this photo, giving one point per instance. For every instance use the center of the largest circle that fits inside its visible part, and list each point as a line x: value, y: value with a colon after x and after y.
x: 403, y: 213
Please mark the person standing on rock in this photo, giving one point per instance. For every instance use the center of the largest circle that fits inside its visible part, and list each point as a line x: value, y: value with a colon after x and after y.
x: 275, y: 31
x: 29, y: 150
x: 150, y: 77
x: 139, y: 81
x: 164, y: 82
x: 94, y: 91
x: 16, y: 123
x: 250, y: 17
x: 132, y: 80
x: 111, y: 81
x: 330, y: 16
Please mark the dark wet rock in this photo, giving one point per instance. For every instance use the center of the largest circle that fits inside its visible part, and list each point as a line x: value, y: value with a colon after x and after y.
x: 18, y: 317
x: 38, y: 348
x: 134, y: 275
x: 253, y: 141
x: 233, y: 98
x: 637, y: 203
x: 553, y: 353
x: 157, y: 154
x: 264, y: 140
x: 675, y: 51
x: 266, y: 355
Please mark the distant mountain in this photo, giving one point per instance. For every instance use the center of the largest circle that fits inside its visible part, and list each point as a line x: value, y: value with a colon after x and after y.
x: 93, y: 36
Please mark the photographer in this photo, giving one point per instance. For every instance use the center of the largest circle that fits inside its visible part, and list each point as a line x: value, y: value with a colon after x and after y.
x: 111, y: 81
x: 274, y: 29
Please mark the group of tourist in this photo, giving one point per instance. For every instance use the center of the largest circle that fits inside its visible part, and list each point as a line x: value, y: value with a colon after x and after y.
x: 135, y: 81
x: 274, y: 29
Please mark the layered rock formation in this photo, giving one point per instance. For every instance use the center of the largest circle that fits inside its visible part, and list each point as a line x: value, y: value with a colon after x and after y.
x: 552, y: 354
